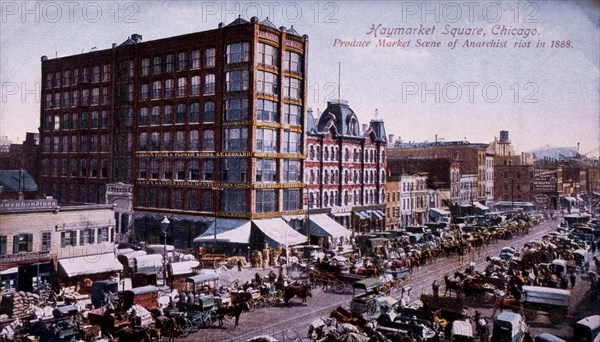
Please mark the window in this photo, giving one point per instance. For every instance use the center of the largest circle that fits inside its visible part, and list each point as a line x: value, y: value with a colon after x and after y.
x: 291, y: 89
x: 166, y: 170
x: 209, y: 84
x: 193, y: 140
x: 207, y: 201
x: 155, y: 115
x: 266, y: 170
x: 236, y: 109
x: 194, y: 112
x: 265, y: 201
x: 57, y: 100
x: 195, y: 57
x: 180, y: 114
x: 65, y: 98
x: 144, y: 91
x: 169, y: 63
x: 156, y: 65
x: 181, y: 61
x: 145, y: 67
x: 75, y: 76
x: 180, y: 141
x: 291, y: 114
x: 291, y: 142
x: 143, y: 146
x: 292, y: 62
x: 49, y: 78
x: 87, y: 236
x: 169, y: 88
x: 267, y: 83
x: 3, y: 243
x: 167, y: 141
x: 209, y: 57
x: 291, y: 199
x: 207, y: 170
x: 236, y: 139
x: 179, y: 170
x: 291, y: 171
x: 48, y: 101
x: 267, y: 55
x: 154, y: 141
x: 208, y: 140
x: 237, y: 53
x: 181, y: 86
x: 96, y: 74
x: 95, y: 96
x: 233, y: 200
x: 193, y: 171
x: 106, y: 73
x: 103, y: 235
x: 22, y: 243
x: 104, y: 98
x: 142, y: 173
x: 236, y: 80
x: 195, y: 89
x: 68, y: 238
x: 168, y: 115
x: 156, y: 90
x: 234, y: 169
x: 267, y: 111
x: 209, y: 111
x: 266, y: 140
x: 83, y: 168
x: 85, y: 77
x: 154, y: 174
x: 143, y: 116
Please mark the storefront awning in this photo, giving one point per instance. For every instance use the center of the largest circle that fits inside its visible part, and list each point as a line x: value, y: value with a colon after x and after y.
x: 480, y: 206
x: 377, y: 214
x: 228, y: 230
x: 279, y: 231
x: 361, y: 215
x: 90, y: 264
x: 184, y: 267
x: 438, y: 211
x: 323, y: 225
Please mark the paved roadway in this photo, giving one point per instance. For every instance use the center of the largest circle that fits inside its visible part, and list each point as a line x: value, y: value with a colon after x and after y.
x: 291, y: 323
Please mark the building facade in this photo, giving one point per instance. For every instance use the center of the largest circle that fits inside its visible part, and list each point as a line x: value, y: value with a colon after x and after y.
x: 203, y: 126
x: 345, y: 168
x: 37, y: 232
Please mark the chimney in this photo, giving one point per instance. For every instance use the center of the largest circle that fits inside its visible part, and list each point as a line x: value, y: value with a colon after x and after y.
x: 137, y: 38
x: 365, y: 126
x: 391, y: 138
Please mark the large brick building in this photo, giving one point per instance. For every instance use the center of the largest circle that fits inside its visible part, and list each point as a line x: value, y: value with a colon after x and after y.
x: 204, y: 126
x: 345, y: 168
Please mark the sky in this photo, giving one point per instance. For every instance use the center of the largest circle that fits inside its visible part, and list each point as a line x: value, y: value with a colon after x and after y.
x: 429, y: 82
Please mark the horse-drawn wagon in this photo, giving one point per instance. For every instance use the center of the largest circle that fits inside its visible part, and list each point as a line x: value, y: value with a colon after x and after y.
x: 202, y: 283
x: 366, y: 291
x: 553, y: 301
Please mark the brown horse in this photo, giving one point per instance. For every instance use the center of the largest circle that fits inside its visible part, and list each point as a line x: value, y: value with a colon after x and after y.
x: 300, y: 291
x: 232, y: 311
x: 452, y: 285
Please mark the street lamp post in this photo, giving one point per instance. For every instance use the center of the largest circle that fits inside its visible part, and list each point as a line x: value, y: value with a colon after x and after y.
x: 164, y: 225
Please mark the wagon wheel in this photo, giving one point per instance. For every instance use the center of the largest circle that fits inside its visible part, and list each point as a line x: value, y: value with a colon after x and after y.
x: 207, y: 321
x: 557, y: 316
x: 216, y: 263
x: 530, y: 314
x: 338, y: 286
x: 372, y: 307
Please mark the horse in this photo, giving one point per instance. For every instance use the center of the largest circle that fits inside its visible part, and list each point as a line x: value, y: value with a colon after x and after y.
x: 505, y: 303
x: 232, y: 311
x: 300, y: 291
x: 132, y: 334
x: 452, y: 285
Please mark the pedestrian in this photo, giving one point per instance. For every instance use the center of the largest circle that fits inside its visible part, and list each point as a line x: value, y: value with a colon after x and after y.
x: 573, y: 279
x: 436, y: 288
x: 239, y: 265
